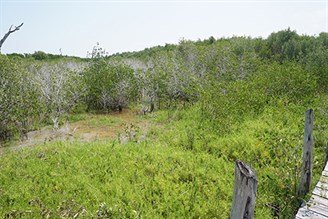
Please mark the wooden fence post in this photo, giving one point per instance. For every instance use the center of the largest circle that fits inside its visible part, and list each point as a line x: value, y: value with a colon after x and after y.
x: 244, y: 194
x: 306, y: 172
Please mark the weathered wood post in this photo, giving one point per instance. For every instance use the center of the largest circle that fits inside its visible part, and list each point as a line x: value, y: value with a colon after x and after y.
x: 326, y: 159
x: 306, y: 172
x: 244, y: 194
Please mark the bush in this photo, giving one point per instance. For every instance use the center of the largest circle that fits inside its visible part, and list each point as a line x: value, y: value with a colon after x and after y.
x: 18, y: 99
x: 110, y: 86
x: 39, y: 55
x: 227, y: 104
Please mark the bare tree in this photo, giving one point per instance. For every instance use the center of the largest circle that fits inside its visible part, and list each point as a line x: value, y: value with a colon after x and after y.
x: 10, y: 31
x: 60, y: 89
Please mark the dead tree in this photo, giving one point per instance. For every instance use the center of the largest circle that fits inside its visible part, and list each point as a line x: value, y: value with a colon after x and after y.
x: 11, y: 30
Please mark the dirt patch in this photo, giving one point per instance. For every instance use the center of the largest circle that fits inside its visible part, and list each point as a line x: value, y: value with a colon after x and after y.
x: 103, y: 125
x: 42, y: 136
x: 119, y: 126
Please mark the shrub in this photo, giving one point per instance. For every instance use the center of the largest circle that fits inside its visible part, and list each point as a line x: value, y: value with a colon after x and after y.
x: 110, y: 86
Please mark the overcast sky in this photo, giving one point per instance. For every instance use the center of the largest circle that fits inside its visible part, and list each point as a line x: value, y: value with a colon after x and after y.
x: 75, y: 26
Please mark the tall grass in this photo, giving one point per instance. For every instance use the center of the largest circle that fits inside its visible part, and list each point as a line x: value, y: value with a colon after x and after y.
x: 152, y: 181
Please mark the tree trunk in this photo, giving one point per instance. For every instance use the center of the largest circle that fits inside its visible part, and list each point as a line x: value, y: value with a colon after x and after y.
x: 306, y: 173
x: 244, y: 194
x: 152, y: 107
x: 55, y: 122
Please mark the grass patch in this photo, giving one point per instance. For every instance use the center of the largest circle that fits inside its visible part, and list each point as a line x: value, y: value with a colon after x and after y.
x: 270, y: 142
x: 93, y: 120
x: 76, y: 117
x: 182, y: 169
x: 150, y: 181
x: 102, y: 121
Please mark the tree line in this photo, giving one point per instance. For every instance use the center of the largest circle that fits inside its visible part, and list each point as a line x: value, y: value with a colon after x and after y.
x: 225, y: 79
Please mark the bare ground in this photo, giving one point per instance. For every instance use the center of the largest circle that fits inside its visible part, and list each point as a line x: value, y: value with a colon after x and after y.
x: 127, y: 126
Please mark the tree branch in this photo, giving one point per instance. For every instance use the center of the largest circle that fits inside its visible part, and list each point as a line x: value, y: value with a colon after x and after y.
x: 8, y: 33
x: 16, y: 28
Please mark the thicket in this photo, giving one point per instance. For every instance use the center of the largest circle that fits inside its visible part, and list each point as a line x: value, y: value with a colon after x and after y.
x: 109, y: 86
x: 18, y: 99
x: 34, y: 94
x: 232, y: 98
x: 229, y: 78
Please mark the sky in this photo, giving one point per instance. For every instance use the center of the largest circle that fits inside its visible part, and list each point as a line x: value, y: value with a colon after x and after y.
x: 74, y: 27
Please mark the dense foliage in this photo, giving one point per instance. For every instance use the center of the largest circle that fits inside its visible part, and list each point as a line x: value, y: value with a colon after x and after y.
x: 217, y: 100
x: 110, y: 86
x: 18, y: 99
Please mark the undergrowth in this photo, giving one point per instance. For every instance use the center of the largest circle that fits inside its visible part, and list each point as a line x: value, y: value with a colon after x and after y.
x: 109, y: 180
x: 182, y: 168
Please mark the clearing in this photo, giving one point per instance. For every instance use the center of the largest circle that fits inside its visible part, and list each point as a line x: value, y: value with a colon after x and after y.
x: 121, y: 126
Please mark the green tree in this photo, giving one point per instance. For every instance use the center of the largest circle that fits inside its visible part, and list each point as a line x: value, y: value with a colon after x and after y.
x: 283, y: 45
x: 18, y: 98
x: 39, y: 55
x: 110, y: 86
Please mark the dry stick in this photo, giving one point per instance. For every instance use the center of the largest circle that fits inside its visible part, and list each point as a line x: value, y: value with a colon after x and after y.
x: 306, y: 172
x: 244, y: 195
x: 10, y: 31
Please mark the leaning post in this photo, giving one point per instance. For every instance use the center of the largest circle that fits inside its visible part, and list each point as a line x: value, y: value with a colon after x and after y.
x: 306, y: 172
x: 244, y: 194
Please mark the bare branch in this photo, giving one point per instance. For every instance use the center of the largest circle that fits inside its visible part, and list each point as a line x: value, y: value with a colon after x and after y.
x: 16, y: 28
x: 8, y: 33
